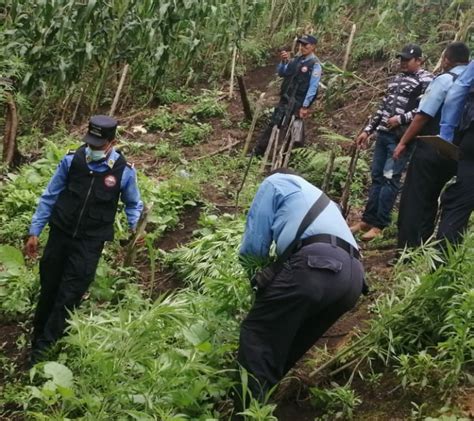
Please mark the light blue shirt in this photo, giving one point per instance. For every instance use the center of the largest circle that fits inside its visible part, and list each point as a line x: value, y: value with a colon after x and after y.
x: 313, y: 82
x: 454, y: 103
x: 129, y: 193
x: 436, y: 91
x: 277, y: 210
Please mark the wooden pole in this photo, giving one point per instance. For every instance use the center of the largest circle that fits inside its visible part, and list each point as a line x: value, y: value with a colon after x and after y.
x: 349, y: 47
x: 232, y: 72
x: 329, y: 170
x: 271, y: 142
x: 11, y: 125
x: 244, y: 97
x: 256, y: 115
x: 119, y: 90
x: 347, y: 187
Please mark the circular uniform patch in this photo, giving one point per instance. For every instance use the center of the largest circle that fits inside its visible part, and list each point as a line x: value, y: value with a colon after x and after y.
x: 110, y: 181
x: 304, y: 69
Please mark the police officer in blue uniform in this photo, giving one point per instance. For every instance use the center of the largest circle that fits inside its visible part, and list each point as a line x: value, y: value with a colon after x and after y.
x: 299, y: 88
x: 457, y: 124
x: 428, y: 171
x: 79, y: 203
x: 320, y: 281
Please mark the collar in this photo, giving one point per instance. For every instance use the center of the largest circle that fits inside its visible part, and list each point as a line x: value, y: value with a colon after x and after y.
x: 458, y: 69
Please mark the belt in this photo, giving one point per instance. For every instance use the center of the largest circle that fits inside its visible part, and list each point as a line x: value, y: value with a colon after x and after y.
x: 335, y: 241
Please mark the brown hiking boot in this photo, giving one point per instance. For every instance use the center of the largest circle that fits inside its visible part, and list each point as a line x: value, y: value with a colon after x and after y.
x: 370, y: 235
x: 360, y: 226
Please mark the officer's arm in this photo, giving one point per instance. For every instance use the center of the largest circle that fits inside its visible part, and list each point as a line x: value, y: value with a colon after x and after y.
x: 130, y: 196
x: 454, y: 103
x: 49, y: 197
x: 429, y: 105
x: 258, y: 229
x: 313, y: 85
x: 281, y: 68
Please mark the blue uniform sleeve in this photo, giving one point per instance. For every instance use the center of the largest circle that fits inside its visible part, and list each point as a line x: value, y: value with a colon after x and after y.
x: 281, y: 69
x: 130, y: 196
x: 454, y: 103
x: 50, y: 195
x: 435, y: 95
x: 313, y: 85
x: 258, y: 237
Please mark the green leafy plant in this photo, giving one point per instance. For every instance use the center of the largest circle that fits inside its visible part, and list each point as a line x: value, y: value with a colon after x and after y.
x: 207, y: 106
x: 163, y: 120
x: 192, y: 134
x: 337, y: 402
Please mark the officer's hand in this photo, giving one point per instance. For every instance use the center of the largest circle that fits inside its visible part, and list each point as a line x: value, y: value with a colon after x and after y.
x: 393, y: 122
x: 31, y: 246
x: 361, y: 140
x: 399, y: 151
x: 304, y: 112
x: 284, y: 56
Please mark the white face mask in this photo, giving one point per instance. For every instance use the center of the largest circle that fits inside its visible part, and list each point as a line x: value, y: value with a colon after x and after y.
x: 96, y: 155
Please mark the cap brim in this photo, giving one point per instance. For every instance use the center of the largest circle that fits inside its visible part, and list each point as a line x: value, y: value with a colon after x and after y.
x: 94, y: 140
x: 405, y: 56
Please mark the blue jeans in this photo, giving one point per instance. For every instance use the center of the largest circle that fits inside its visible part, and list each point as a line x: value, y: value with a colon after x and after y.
x: 386, y: 174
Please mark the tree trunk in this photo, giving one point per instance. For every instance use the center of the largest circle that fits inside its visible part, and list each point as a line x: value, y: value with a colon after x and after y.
x: 244, y: 98
x: 10, y: 151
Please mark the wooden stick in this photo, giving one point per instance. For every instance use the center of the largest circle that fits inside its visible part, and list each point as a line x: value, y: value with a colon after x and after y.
x: 73, y: 118
x: 140, y: 230
x: 256, y: 115
x: 329, y: 170
x: 350, y: 175
x: 244, y: 98
x: 349, y: 47
x: 119, y: 90
x: 218, y: 151
x: 232, y: 71
x: 271, y: 141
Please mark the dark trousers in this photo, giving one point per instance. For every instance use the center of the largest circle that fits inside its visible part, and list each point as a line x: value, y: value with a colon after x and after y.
x: 317, y: 286
x: 427, y: 174
x: 386, y: 174
x: 457, y: 202
x: 67, y: 268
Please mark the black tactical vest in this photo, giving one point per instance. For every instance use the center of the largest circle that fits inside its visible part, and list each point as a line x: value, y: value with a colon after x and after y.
x: 86, y: 208
x: 296, y: 81
x: 433, y: 126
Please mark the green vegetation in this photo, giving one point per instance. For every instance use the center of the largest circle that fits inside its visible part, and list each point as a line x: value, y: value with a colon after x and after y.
x: 191, y: 134
x: 133, y: 352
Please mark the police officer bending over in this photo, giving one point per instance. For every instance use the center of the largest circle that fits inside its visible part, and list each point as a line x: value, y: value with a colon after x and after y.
x: 80, y: 203
x: 320, y: 281
x: 299, y: 87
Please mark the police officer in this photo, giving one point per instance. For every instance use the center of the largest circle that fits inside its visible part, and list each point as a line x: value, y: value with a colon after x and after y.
x: 457, y: 202
x: 428, y: 171
x: 299, y: 87
x: 321, y: 280
x: 79, y: 203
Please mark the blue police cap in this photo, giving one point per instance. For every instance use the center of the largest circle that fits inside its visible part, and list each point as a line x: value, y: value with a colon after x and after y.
x: 101, y: 130
x: 307, y: 39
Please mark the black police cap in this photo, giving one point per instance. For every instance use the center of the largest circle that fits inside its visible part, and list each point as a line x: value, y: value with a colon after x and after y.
x: 101, y: 130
